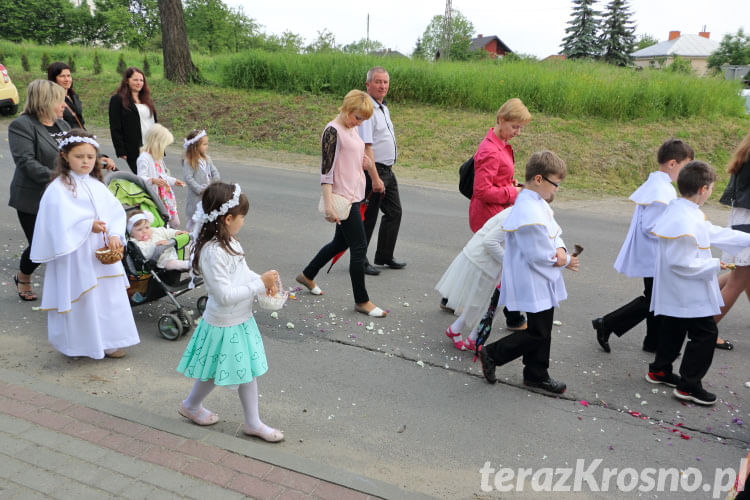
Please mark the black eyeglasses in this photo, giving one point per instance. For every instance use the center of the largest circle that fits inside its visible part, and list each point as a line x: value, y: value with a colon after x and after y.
x: 556, y: 184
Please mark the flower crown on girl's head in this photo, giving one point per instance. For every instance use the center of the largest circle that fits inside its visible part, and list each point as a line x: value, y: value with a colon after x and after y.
x: 200, y: 218
x: 195, y: 139
x: 75, y: 138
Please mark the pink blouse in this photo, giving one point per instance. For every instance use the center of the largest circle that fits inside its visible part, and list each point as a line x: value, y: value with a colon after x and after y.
x: 341, y: 161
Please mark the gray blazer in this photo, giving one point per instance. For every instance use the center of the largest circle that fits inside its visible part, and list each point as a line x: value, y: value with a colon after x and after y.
x: 34, y: 152
x: 196, y: 181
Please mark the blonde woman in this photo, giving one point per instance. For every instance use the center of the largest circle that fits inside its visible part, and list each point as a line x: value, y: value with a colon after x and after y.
x: 342, y: 173
x: 150, y: 166
x: 33, y: 138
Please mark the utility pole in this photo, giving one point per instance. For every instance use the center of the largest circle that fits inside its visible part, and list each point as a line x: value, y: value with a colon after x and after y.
x: 447, y: 31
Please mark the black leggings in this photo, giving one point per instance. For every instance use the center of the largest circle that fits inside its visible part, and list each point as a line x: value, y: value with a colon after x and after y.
x: 349, y: 234
x: 27, y: 221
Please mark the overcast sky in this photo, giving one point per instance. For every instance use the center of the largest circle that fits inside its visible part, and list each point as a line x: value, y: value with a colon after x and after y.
x: 530, y: 27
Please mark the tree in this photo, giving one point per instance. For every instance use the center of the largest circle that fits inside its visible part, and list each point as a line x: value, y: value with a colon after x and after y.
x: 645, y: 40
x: 581, y: 38
x: 178, y: 66
x: 362, y: 46
x: 419, y: 52
x: 618, y: 33
x: 47, y: 22
x: 325, y: 42
x: 134, y: 23
x: 461, y: 30
x: 733, y: 49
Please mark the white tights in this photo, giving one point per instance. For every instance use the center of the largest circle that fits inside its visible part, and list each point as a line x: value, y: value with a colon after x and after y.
x: 248, y: 393
x: 460, y: 324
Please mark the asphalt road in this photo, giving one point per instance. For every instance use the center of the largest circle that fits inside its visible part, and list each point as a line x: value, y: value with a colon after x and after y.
x: 359, y: 398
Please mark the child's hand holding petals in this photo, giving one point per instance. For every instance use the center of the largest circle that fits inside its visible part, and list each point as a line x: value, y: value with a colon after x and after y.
x: 573, y: 264
x: 114, y: 243
x: 180, y: 183
x: 270, y: 280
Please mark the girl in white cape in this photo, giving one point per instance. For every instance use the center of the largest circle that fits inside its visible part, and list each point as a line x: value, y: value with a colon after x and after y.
x: 88, y: 312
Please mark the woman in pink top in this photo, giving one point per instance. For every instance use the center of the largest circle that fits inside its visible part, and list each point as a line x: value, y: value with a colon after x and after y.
x: 343, y: 161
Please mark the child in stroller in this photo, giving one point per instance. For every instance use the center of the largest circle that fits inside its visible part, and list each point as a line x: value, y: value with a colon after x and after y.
x: 148, y: 280
x: 149, y: 240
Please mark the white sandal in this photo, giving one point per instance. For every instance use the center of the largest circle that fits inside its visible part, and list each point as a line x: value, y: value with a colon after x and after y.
x: 375, y: 312
x: 302, y: 280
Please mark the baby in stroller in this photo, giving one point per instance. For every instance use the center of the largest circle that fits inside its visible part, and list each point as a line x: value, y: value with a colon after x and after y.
x: 148, y: 239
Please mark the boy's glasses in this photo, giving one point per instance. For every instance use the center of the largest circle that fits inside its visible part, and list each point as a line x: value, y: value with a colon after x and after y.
x: 557, y: 185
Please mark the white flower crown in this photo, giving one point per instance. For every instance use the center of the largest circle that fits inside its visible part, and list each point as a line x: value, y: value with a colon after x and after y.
x: 75, y: 138
x: 195, y: 139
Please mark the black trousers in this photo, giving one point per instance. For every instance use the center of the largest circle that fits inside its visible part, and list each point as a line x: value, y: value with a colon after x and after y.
x: 132, y: 165
x: 27, y: 221
x: 349, y: 234
x: 533, y: 344
x: 626, y: 317
x: 390, y: 204
x: 699, y: 351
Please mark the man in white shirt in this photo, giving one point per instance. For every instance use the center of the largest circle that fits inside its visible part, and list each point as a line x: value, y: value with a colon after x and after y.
x: 380, y: 146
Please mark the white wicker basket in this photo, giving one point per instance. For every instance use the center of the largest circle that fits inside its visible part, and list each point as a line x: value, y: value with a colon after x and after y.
x: 273, y: 302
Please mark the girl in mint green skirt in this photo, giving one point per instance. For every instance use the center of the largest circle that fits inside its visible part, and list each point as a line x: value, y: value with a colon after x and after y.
x: 226, y: 348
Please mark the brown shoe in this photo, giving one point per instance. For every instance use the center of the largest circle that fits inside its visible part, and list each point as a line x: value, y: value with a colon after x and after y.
x: 119, y: 353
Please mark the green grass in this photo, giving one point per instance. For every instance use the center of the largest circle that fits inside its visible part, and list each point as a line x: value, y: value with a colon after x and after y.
x: 560, y: 88
x: 604, y: 156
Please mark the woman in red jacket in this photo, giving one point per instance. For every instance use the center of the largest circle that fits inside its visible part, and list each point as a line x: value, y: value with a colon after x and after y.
x: 494, y: 186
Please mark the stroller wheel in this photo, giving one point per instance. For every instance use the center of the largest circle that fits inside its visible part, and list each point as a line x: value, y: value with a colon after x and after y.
x: 170, y: 326
x: 201, y: 305
x: 187, y: 320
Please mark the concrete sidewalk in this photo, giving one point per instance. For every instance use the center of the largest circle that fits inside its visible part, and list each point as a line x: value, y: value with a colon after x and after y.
x: 58, y: 443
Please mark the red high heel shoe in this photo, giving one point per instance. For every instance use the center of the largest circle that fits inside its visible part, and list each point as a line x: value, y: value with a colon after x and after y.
x: 458, y: 344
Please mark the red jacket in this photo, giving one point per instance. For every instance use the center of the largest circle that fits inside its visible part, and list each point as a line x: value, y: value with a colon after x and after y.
x: 493, y: 180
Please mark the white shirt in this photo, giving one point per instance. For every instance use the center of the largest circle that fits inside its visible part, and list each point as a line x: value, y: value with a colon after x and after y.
x: 378, y: 132
x: 230, y: 284
x: 148, y: 247
x: 147, y: 119
x: 685, y: 283
x: 530, y: 280
x: 637, y: 257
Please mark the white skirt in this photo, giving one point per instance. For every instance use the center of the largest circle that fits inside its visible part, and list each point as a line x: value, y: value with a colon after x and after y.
x: 738, y: 216
x: 468, y: 289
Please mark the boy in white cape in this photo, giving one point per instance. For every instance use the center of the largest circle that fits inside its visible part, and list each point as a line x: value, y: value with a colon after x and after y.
x: 686, y: 291
x: 535, y: 255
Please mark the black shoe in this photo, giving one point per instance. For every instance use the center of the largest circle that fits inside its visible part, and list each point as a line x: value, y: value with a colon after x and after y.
x: 390, y: 263
x: 488, y: 366
x: 602, y: 335
x: 726, y: 345
x: 371, y: 270
x: 669, y: 379
x: 516, y: 324
x: 550, y: 385
x: 648, y: 348
x: 444, y: 305
x: 696, y: 395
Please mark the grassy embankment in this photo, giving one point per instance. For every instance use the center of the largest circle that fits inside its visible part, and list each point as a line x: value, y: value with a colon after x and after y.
x: 605, y: 122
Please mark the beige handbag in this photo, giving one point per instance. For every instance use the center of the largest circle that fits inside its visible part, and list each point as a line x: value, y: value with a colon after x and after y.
x: 341, y: 206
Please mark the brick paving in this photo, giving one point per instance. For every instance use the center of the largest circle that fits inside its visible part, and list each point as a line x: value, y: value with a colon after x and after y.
x: 54, y: 448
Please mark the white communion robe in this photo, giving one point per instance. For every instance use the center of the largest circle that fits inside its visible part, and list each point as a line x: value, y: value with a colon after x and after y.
x: 530, y: 280
x: 86, y: 301
x: 685, y: 283
x: 637, y: 256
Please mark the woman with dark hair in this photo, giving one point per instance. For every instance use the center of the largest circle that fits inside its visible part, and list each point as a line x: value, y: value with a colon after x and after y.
x: 131, y: 114
x: 59, y: 72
